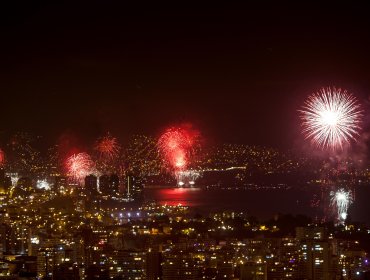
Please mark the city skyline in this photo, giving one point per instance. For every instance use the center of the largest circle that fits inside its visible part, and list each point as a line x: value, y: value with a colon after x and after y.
x: 176, y: 141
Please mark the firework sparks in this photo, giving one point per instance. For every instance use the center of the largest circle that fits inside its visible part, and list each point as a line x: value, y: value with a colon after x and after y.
x: 331, y: 118
x: 79, y: 165
x: 341, y: 200
x: 42, y: 185
x: 108, y: 147
x: 187, y: 178
x: 14, y: 178
x: 175, y: 144
x: 142, y: 155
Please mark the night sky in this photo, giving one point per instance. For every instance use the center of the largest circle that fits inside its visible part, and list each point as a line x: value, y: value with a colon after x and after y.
x: 239, y: 73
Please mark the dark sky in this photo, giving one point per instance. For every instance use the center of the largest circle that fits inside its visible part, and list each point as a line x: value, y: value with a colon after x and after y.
x: 239, y: 73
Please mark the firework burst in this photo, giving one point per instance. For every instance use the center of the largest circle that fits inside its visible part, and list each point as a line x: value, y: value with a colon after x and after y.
x: 176, y: 144
x: 79, y: 166
x: 331, y: 118
x: 341, y: 200
x: 108, y: 147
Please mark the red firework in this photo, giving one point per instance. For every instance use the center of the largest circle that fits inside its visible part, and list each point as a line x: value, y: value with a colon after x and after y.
x: 176, y: 144
x: 2, y: 157
x: 108, y: 147
x: 79, y: 165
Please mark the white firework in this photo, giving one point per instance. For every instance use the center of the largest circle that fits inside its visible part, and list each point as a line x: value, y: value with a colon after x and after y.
x: 42, y: 185
x: 331, y: 118
x: 341, y: 200
x: 187, y: 177
x: 14, y: 177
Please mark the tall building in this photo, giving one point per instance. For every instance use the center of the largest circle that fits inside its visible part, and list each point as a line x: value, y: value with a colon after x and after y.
x: 104, y: 185
x: 134, y: 187
x: 181, y: 266
x: 351, y: 259
x: 312, y: 232
x: 66, y: 271
x: 97, y: 272
x: 47, y: 261
x: 60, y: 185
x: 316, y: 259
x: 17, y: 239
x: 131, y: 264
x: 5, y: 182
x: 5, y: 232
x: 225, y: 269
x: 91, y: 185
x: 89, y: 199
x: 109, y: 185
x: 33, y: 244
x: 153, y: 265
x: 25, y: 267
x: 253, y: 271
x: 114, y: 184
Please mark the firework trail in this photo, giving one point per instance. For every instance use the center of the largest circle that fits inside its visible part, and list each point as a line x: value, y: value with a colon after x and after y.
x: 107, y: 147
x: 341, y: 200
x: 331, y: 118
x: 79, y: 166
x: 176, y: 145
